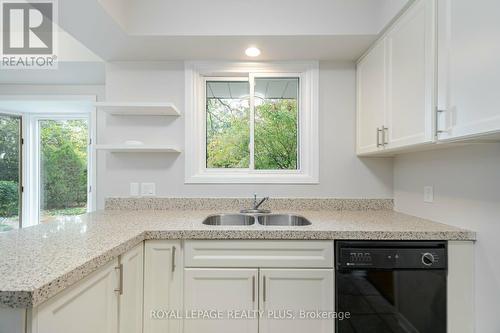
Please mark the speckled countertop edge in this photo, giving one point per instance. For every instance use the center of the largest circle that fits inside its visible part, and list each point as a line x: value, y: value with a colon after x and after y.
x: 135, y: 227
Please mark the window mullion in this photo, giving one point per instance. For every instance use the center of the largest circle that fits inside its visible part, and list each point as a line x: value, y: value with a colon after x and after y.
x: 252, y: 122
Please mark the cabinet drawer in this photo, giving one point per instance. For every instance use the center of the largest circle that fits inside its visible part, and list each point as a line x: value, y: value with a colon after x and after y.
x: 278, y: 254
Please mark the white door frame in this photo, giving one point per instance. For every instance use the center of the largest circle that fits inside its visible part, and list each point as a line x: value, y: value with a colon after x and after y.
x: 30, y: 149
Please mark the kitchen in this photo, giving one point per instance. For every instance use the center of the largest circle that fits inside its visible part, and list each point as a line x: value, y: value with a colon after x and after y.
x: 343, y: 163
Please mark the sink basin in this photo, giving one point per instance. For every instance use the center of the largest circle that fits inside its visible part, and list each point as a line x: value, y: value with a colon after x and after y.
x: 229, y: 219
x: 283, y: 220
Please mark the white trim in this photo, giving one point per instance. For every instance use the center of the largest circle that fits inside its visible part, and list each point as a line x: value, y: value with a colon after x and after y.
x: 35, y: 159
x: 92, y: 163
x: 195, y: 170
x: 22, y: 156
x: 251, y: 145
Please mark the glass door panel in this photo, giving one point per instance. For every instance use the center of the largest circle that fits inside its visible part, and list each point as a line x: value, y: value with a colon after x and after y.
x: 63, y: 167
x: 10, y: 172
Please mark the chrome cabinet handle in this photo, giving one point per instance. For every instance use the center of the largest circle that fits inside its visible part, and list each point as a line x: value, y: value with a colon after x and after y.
x: 119, y: 290
x: 173, y: 258
x: 384, y: 136
x: 253, y: 289
x: 438, y: 112
x: 378, y: 137
x: 264, y: 291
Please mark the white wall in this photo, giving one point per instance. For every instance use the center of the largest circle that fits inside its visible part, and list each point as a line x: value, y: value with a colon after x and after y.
x: 342, y: 174
x: 466, y: 194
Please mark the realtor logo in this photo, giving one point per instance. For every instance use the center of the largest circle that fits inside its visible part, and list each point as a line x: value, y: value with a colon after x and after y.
x: 28, y: 31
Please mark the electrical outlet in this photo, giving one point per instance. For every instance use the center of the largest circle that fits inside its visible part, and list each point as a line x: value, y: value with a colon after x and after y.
x: 429, y: 194
x: 134, y: 189
x: 148, y: 189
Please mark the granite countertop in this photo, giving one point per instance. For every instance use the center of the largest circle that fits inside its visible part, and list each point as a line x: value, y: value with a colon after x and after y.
x: 38, y: 262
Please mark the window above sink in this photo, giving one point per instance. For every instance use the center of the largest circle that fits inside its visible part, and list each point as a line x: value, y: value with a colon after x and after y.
x: 252, y: 123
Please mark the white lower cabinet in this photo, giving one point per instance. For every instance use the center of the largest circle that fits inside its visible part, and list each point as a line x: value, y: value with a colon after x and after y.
x: 222, y: 290
x: 294, y: 290
x: 89, y: 306
x: 163, y: 268
x: 131, y: 290
x: 141, y: 290
x: 107, y: 301
x: 271, y: 280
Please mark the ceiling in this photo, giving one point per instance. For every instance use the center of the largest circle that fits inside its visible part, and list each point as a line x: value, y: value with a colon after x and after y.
x: 93, y: 32
x: 158, y: 30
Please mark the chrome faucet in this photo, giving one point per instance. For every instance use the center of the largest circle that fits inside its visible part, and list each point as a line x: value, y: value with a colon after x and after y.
x: 256, y: 204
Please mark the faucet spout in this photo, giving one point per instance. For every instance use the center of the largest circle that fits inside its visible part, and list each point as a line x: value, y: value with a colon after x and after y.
x: 258, y: 204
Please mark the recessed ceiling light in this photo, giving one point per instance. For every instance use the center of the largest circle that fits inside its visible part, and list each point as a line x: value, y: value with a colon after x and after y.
x: 252, y: 52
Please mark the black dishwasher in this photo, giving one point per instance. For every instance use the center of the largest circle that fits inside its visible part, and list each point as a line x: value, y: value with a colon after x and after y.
x: 391, y: 286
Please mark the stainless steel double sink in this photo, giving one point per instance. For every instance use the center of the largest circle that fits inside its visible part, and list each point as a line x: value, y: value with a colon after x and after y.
x: 262, y: 219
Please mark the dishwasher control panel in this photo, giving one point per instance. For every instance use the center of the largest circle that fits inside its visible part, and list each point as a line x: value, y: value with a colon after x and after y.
x: 390, y: 255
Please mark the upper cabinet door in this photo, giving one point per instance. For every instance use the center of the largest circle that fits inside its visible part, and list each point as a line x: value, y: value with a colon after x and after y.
x: 411, y: 59
x: 371, y: 99
x: 295, y: 290
x: 162, y: 285
x: 131, y: 293
x: 468, y: 67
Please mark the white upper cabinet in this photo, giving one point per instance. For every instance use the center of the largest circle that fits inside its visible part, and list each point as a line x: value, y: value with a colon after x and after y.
x: 469, y: 67
x: 396, y: 84
x: 439, y: 79
x: 371, y: 85
x: 410, y: 77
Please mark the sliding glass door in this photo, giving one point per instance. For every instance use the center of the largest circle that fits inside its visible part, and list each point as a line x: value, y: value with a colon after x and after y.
x: 10, y: 172
x: 63, y: 155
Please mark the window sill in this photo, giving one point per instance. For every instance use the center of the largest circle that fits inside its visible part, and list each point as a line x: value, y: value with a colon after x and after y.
x: 260, y: 178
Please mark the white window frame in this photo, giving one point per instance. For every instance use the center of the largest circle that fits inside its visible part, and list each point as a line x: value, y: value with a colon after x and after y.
x: 34, y: 163
x: 197, y: 73
x: 30, y: 151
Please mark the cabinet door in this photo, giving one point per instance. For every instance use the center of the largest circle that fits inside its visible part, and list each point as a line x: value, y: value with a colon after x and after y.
x: 468, y: 67
x: 131, y: 296
x: 221, y: 290
x: 162, y: 285
x: 411, y: 77
x: 371, y: 94
x: 295, y: 290
x: 89, y: 306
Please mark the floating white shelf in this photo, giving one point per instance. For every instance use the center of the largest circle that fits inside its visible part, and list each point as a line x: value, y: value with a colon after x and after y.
x: 137, y: 149
x: 138, y: 108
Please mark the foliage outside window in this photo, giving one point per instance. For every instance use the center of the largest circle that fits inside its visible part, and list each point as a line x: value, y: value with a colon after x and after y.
x: 63, y: 167
x: 264, y: 137
x: 62, y: 162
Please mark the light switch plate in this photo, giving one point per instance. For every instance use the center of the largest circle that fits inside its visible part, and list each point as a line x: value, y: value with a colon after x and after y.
x: 148, y: 189
x: 429, y: 194
x: 134, y: 189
